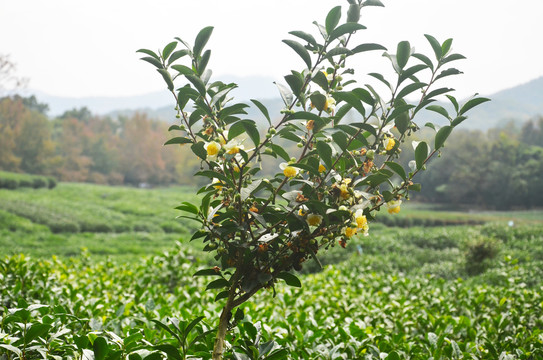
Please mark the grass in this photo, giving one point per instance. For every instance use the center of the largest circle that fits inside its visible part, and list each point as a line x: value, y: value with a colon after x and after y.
x: 116, y: 221
x: 400, y: 293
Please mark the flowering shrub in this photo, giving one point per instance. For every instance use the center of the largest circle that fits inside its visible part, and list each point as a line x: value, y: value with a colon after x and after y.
x: 260, y: 229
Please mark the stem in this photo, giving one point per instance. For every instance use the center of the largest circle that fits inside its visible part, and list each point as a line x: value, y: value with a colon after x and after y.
x: 224, y: 320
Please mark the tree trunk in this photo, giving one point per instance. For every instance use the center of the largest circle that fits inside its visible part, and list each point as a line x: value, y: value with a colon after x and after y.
x: 218, y: 348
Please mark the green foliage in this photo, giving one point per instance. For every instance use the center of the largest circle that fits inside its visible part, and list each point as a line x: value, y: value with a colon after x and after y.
x: 12, y: 181
x: 377, y: 302
x: 260, y: 228
x: 471, y: 170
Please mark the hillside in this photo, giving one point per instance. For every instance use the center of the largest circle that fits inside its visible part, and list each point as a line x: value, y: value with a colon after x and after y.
x: 518, y: 103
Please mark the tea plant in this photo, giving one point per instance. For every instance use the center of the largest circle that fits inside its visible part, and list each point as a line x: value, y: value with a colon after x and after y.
x: 260, y: 229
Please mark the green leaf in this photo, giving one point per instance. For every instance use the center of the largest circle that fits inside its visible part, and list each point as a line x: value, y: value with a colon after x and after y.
x: 332, y: 19
x: 305, y: 115
x: 446, y: 46
x: 218, y: 284
x: 343, y: 29
x: 280, y: 151
x: 202, y: 63
x: 286, y: 94
x: 36, y: 330
x: 448, y: 72
x: 340, y: 139
x: 262, y: 109
x: 198, y: 83
x: 367, y: 47
x: 350, y: 99
x: 100, y: 348
x: 168, y: 50
x: 452, y: 57
x: 414, y: 187
x: 407, y: 73
x: 408, y: 89
x: 421, y: 154
x: 188, y: 207
x: 471, y: 104
x: 198, y: 150
x: 167, y: 78
x: 247, y: 126
x: 207, y: 272
x: 382, y: 79
x: 148, y: 52
x: 170, y: 350
x: 178, y: 140
x: 325, y: 152
x: 304, y: 36
x: 457, y: 121
x: 290, y: 279
x: 12, y: 349
x: 295, y: 83
x: 393, y: 356
x: 250, y: 189
x: 183, y: 70
x: 177, y: 55
x: 321, y: 80
x: 397, y: 168
x: 424, y: 59
x: 402, y: 53
x: 442, y: 135
x: 373, y: 3
x: 318, y: 100
x: 153, y: 61
x: 437, y: 92
x: 438, y: 109
x: 453, y: 101
x: 353, y: 14
x: 220, y: 94
x: 339, y: 50
x: 300, y: 50
x: 201, y: 40
x: 435, y: 46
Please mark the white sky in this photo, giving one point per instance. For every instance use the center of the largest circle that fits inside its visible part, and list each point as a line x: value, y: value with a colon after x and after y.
x: 87, y: 48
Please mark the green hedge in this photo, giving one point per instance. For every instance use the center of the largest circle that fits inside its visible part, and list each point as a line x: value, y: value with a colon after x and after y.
x: 12, y: 181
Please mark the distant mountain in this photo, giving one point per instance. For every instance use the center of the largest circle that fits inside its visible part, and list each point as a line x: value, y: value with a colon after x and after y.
x: 519, y: 103
x: 254, y: 87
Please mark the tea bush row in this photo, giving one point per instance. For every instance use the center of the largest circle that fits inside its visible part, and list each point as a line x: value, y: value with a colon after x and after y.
x: 12, y: 181
x: 359, y: 309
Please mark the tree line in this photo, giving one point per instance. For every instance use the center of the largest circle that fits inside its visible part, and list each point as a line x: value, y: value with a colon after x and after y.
x: 82, y: 147
x: 501, y: 168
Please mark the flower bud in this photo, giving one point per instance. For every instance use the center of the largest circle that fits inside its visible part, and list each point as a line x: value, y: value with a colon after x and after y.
x: 370, y: 154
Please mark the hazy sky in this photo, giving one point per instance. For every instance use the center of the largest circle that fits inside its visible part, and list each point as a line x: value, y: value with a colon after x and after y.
x: 87, y: 48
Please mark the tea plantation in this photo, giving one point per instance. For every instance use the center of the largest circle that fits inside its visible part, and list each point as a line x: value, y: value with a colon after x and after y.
x: 93, y: 272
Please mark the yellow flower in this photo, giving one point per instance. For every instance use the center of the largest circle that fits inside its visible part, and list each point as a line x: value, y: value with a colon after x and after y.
x: 330, y: 105
x: 360, y: 218
x: 344, y: 188
x: 394, y: 206
x: 314, y: 219
x: 212, y: 148
x: 303, y: 210
x: 233, y: 147
x: 288, y: 171
x: 310, y: 125
x: 349, y: 231
x: 389, y: 143
x: 218, y: 184
x: 321, y: 168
